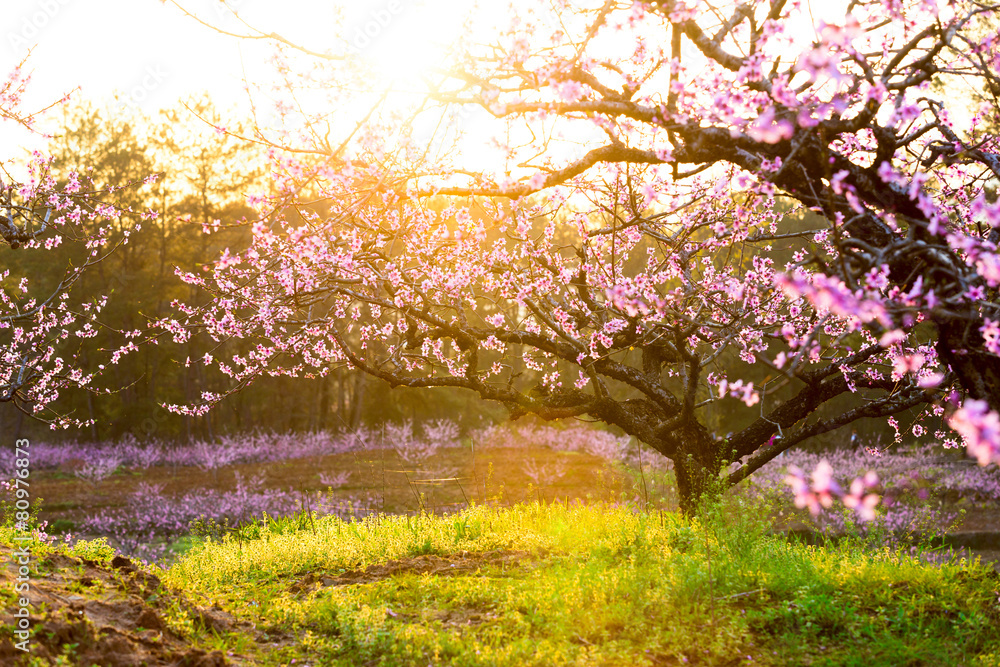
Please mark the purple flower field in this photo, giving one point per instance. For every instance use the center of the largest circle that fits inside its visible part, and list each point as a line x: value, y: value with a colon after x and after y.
x: 923, y: 489
x: 920, y: 487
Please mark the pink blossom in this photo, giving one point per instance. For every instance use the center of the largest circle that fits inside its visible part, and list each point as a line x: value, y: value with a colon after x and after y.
x: 823, y: 489
x: 817, y: 495
x: 907, y: 363
x: 930, y: 380
x: 980, y: 429
x: 769, y: 130
x: 860, y: 501
x: 991, y: 335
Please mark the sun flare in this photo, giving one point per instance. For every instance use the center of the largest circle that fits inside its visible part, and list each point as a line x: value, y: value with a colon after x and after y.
x: 403, y: 41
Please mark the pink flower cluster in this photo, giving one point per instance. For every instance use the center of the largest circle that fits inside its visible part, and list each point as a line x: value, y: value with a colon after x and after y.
x: 737, y: 389
x: 819, y: 492
x: 39, y: 316
x: 980, y: 429
x: 580, y: 267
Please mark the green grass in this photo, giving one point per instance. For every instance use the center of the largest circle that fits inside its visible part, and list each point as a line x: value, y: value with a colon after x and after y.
x: 589, y: 585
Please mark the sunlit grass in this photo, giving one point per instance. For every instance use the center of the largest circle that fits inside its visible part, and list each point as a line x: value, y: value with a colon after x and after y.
x: 556, y: 584
x: 592, y: 584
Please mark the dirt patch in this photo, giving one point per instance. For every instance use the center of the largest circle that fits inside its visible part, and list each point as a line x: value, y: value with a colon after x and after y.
x: 448, y: 565
x: 465, y: 617
x: 978, y: 519
x: 113, y: 615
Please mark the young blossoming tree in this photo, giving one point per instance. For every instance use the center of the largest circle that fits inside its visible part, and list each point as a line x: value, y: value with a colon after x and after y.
x: 53, y: 230
x: 693, y: 210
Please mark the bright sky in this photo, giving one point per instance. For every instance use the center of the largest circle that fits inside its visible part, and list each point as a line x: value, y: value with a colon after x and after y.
x: 150, y: 54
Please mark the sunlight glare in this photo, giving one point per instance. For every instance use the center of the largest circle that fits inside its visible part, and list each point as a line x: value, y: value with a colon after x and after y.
x: 403, y: 40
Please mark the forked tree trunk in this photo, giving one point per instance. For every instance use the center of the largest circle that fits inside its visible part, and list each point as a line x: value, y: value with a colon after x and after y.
x: 697, y: 463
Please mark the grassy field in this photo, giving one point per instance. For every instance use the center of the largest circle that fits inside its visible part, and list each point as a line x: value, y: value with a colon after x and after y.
x: 145, y: 498
x: 540, y: 547
x: 551, y: 584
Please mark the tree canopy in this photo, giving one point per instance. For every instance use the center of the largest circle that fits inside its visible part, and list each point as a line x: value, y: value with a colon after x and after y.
x: 725, y: 228
x: 53, y: 211
x: 689, y: 196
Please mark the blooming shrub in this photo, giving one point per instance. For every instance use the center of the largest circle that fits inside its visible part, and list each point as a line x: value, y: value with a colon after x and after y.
x: 414, y: 449
x: 100, y: 467
x: 544, y: 474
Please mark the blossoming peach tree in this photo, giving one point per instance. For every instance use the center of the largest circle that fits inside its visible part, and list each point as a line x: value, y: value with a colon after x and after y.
x: 693, y: 209
x: 54, y: 228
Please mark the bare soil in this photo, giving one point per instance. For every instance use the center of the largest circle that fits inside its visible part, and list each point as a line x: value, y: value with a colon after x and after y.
x: 109, y: 615
x: 442, y: 566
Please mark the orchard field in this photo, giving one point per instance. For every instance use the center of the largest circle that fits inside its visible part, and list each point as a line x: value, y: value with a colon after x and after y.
x: 146, y: 499
x: 604, y: 332
x: 416, y: 542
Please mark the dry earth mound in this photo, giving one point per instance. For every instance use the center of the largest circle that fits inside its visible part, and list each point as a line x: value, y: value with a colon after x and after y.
x: 113, y: 615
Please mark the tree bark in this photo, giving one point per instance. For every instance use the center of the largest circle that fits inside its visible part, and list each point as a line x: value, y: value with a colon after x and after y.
x: 961, y: 346
x: 697, y: 464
